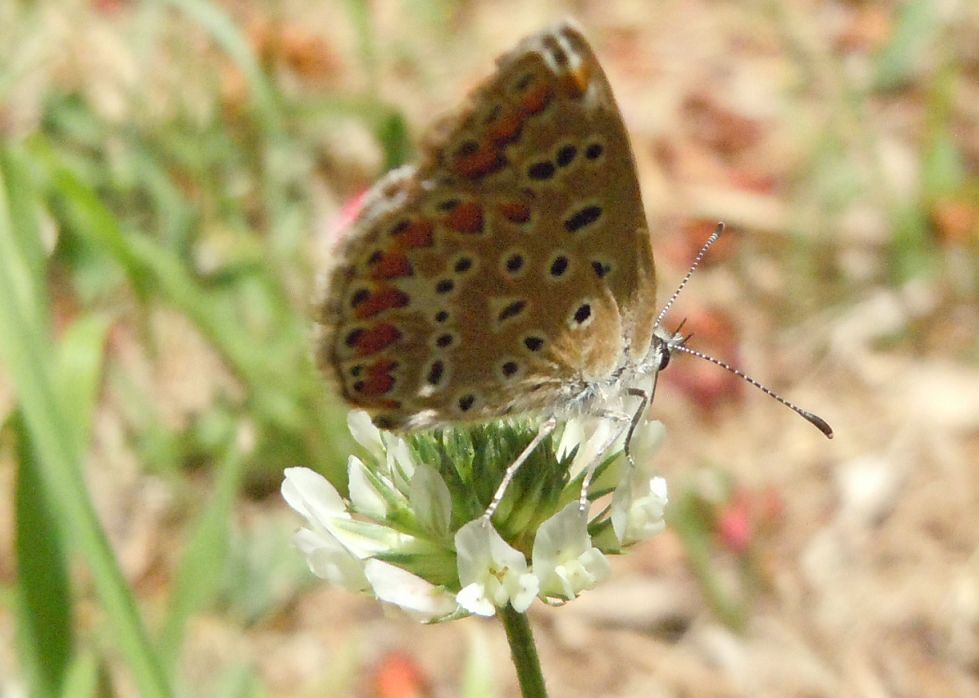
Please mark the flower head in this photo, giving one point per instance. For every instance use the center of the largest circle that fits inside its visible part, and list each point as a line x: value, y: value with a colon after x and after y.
x: 412, y: 530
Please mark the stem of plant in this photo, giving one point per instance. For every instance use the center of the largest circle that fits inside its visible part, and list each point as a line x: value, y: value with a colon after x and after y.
x: 524, y: 653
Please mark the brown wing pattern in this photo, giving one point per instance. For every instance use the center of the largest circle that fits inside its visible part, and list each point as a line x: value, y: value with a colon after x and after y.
x: 512, y: 268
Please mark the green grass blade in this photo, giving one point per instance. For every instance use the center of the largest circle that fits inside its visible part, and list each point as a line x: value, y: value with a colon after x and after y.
x: 82, y: 679
x: 78, y: 373
x: 47, y: 637
x: 202, y: 567
x: 45, y: 634
x: 226, y: 34
x: 26, y: 347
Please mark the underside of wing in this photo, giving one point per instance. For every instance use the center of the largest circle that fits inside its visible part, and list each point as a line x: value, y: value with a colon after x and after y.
x: 510, y: 269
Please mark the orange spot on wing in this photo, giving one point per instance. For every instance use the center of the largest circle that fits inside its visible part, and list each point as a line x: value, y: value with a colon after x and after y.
x: 506, y: 129
x: 384, y: 298
x: 466, y: 218
x: 378, y: 380
x: 391, y: 266
x: 515, y: 211
x: 484, y: 161
x: 377, y: 338
x: 386, y: 404
x: 537, y: 99
x: 418, y: 233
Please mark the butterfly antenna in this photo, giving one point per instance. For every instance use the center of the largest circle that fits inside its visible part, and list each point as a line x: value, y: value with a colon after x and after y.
x: 693, y: 267
x: 817, y: 422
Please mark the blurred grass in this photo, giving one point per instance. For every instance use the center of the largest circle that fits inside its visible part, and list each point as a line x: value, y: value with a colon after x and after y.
x: 128, y: 202
x: 102, y: 221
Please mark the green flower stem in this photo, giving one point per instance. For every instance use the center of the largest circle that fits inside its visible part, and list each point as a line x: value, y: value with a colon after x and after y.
x: 524, y: 653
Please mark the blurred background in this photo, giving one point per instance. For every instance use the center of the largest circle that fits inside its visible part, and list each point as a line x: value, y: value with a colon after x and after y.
x: 172, y: 176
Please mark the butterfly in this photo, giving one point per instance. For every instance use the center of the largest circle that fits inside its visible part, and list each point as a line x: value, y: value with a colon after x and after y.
x: 510, y: 270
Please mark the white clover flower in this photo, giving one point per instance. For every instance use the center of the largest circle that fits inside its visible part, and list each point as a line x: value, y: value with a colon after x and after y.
x: 366, y: 434
x: 637, y: 511
x: 646, y: 441
x: 366, y: 494
x: 400, y: 462
x: 318, y: 501
x: 491, y: 572
x: 571, y: 437
x: 591, y: 435
x: 334, y: 544
x: 416, y: 596
x: 313, y: 496
x: 564, y: 559
x: 329, y: 560
x: 431, y: 500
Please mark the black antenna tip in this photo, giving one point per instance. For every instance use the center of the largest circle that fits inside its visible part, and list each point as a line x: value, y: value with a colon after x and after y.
x: 818, y: 422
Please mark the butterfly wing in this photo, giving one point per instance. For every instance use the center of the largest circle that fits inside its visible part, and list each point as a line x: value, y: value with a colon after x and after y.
x: 511, y: 270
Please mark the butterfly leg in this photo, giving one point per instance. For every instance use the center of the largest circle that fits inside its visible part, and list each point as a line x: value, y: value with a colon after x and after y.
x: 545, y: 430
x: 644, y: 400
x: 627, y: 424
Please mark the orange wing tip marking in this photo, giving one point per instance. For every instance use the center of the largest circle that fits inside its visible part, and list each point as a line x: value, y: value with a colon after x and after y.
x: 466, y: 218
x: 380, y: 300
